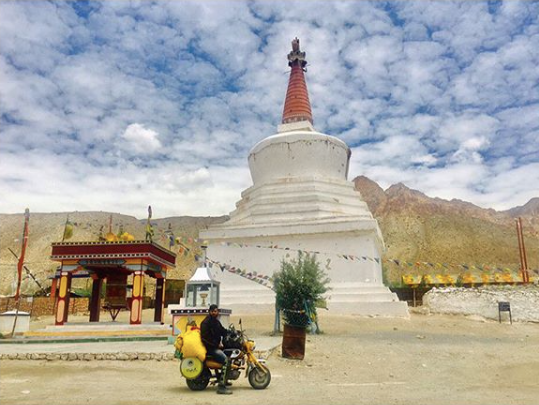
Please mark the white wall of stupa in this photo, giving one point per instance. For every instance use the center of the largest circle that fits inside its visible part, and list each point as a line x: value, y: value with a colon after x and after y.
x: 301, y: 200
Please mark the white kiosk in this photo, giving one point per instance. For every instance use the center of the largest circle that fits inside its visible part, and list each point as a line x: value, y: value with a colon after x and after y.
x: 201, y: 291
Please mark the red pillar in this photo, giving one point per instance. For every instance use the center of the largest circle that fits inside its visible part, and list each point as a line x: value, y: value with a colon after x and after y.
x: 159, y: 300
x: 95, y: 300
x: 53, y: 288
x: 136, y: 303
x: 62, y: 307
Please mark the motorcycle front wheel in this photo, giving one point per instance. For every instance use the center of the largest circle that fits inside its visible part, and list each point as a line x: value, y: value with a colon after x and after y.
x: 200, y: 383
x: 259, y: 378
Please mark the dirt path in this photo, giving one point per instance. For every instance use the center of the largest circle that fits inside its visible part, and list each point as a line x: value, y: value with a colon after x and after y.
x: 424, y: 360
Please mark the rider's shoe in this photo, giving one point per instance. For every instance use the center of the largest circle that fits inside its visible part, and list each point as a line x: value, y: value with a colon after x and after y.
x: 222, y: 389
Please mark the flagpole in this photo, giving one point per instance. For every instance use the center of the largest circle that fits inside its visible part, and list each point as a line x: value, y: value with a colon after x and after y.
x: 20, y: 265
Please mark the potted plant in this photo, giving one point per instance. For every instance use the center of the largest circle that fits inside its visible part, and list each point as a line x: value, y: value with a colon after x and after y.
x: 298, y: 285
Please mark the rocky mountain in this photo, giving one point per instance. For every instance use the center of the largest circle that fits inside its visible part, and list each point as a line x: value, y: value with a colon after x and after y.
x: 531, y: 208
x: 416, y: 229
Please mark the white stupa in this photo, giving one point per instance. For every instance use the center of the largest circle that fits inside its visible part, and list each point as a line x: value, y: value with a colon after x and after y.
x: 301, y: 200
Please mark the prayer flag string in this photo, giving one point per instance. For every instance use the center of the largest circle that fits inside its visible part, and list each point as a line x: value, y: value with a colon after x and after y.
x: 499, y: 274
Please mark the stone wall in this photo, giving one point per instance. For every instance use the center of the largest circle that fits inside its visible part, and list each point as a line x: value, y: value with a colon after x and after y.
x: 123, y: 356
x: 42, y: 306
x: 483, y: 301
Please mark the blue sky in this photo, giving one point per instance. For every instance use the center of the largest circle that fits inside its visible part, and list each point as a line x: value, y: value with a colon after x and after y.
x: 116, y: 105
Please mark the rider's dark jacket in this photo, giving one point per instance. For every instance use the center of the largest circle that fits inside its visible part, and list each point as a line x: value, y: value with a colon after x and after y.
x: 211, y: 332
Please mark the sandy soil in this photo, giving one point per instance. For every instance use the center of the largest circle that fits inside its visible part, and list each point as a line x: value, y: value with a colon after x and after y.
x: 433, y: 359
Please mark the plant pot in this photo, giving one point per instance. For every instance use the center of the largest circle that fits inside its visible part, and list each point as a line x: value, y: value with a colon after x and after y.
x: 293, y: 346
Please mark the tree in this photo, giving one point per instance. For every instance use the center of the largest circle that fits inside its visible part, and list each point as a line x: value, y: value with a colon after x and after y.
x: 299, y: 284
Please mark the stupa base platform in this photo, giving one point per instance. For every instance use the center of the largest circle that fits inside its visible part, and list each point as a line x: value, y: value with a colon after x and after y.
x: 342, y: 300
x: 377, y: 309
x: 347, y: 249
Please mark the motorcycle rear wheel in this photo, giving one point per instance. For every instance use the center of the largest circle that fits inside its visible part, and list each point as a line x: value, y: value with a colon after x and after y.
x: 200, y: 383
x: 259, y: 378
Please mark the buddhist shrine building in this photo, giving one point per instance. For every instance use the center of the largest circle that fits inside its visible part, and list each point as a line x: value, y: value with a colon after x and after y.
x: 112, y: 262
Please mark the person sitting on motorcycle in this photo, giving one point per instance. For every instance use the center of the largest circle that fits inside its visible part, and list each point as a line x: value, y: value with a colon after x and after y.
x: 211, y: 332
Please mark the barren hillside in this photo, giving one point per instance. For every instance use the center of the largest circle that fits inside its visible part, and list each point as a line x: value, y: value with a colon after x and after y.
x: 416, y: 228
x: 48, y: 228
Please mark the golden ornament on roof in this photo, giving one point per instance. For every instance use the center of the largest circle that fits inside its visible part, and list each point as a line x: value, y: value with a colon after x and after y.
x: 110, y: 237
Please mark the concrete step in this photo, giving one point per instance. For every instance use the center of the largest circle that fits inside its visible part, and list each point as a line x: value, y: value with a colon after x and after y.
x: 359, y: 290
x: 316, y: 201
x: 105, y: 326
x: 117, y: 349
x: 389, y: 309
x: 82, y: 339
x: 346, y: 297
x: 302, y: 187
x: 247, y: 301
x: 106, y: 329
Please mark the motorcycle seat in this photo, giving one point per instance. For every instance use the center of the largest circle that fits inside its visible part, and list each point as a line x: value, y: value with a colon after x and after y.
x: 211, y: 363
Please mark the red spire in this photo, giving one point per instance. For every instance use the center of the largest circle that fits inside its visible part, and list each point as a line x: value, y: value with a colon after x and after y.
x: 297, y: 106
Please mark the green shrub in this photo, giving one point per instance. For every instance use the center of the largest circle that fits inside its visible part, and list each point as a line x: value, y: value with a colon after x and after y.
x: 299, y: 285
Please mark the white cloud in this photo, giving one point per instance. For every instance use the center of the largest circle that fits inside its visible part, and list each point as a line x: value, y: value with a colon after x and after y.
x: 428, y: 160
x: 141, y: 140
x: 171, y: 96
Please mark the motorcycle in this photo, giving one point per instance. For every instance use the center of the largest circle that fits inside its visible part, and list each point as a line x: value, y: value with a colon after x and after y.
x: 239, y: 350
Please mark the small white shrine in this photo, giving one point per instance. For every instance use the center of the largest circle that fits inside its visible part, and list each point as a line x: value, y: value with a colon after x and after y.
x: 301, y: 200
x: 201, y: 290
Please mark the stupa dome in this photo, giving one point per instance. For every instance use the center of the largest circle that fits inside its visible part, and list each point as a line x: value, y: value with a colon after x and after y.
x: 298, y: 154
x: 298, y: 151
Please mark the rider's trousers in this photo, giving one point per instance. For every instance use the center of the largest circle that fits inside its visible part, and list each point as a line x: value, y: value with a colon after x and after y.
x: 225, y: 373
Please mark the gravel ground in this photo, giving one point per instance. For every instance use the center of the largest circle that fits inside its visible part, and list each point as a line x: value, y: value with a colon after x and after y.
x: 427, y: 359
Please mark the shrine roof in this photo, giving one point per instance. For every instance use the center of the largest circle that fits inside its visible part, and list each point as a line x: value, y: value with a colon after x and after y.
x: 112, y: 250
x: 202, y: 275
